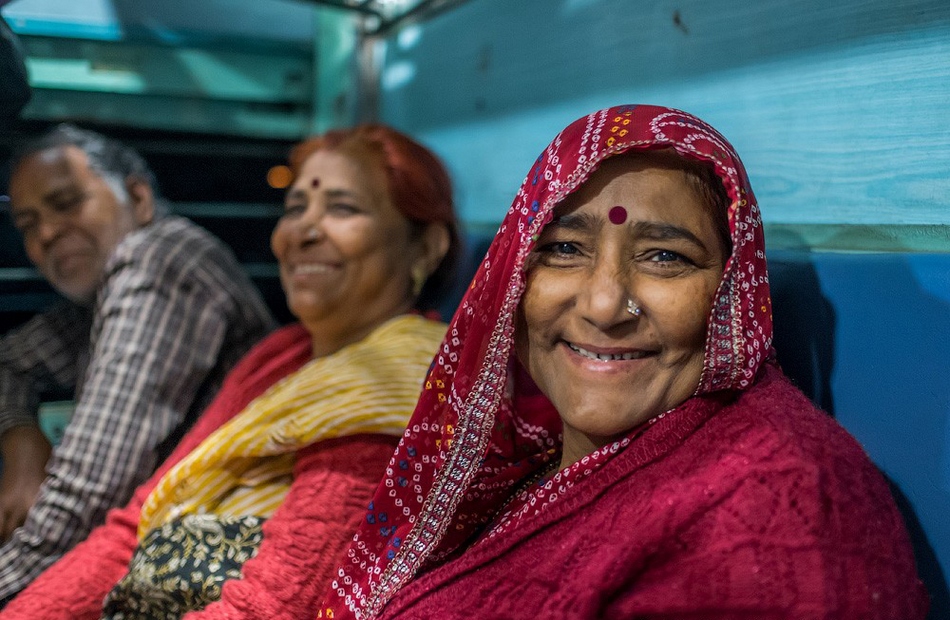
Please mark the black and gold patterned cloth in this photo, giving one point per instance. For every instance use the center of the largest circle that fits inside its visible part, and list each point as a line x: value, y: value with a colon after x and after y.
x: 181, y: 567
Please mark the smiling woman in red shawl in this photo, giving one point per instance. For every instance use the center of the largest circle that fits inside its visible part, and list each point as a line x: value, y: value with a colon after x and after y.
x: 604, y: 432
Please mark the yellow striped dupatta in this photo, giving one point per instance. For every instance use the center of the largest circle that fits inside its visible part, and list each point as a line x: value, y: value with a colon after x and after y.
x: 245, y: 467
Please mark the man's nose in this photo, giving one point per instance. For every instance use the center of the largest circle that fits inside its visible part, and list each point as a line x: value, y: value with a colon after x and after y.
x: 49, y: 227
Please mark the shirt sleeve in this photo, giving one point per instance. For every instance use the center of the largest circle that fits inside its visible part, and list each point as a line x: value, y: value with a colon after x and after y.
x: 156, y: 336
x: 75, y: 586
x: 39, y: 357
x: 334, y: 481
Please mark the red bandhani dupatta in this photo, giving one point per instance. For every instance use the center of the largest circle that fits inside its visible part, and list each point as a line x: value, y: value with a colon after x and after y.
x: 480, y: 426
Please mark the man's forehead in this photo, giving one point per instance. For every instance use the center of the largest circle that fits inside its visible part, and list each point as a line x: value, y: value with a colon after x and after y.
x: 42, y: 174
x: 54, y: 165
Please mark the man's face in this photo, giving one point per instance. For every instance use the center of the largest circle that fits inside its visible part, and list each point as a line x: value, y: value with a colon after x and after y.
x: 70, y: 219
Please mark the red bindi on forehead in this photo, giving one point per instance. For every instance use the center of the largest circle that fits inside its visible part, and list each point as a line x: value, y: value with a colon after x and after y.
x: 315, y: 183
x: 617, y: 215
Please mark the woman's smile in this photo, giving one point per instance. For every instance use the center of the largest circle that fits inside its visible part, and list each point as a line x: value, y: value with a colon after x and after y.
x: 608, y: 354
x: 301, y: 270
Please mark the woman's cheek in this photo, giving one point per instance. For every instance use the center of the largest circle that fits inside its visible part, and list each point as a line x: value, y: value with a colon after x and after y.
x: 278, y: 240
x: 682, y: 315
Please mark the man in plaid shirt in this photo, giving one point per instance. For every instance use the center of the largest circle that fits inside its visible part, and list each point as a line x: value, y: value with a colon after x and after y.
x: 156, y: 312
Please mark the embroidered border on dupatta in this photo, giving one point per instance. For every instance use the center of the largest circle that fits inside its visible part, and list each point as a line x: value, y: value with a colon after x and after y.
x: 460, y: 464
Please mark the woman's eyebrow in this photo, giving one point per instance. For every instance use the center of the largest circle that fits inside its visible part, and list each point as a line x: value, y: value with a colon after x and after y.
x: 575, y: 221
x: 662, y: 231
x: 332, y: 193
x: 343, y: 193
x: 296, y: 193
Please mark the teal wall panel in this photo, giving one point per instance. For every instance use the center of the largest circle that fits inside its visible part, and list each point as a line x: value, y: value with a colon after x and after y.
x: 245, y: 70
x: 838, y: 108
x: 336, y: 81
x: 280, y: 22
x: 177, y: 71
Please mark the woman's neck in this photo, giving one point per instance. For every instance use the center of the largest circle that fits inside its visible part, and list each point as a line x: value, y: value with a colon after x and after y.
x: 577, y: 445
x: 328, y: 337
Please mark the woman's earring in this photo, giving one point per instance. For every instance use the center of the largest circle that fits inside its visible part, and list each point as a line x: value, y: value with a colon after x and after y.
x: 633, y: 308
x: 418, y: 280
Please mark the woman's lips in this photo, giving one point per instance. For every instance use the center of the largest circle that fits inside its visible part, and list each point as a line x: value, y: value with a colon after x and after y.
x: 608, y: 354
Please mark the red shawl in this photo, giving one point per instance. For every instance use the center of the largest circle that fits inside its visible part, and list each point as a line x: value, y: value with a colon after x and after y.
x: 478, y: 430
x: 760, y: 507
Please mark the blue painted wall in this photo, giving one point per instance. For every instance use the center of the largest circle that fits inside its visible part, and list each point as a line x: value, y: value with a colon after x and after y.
x: 839, y: 108
x: 867, y: 336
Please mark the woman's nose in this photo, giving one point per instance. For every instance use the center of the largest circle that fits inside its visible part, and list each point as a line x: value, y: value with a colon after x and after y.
x: 311, y: 226
x: 606, y: 294
x: 313, y: 233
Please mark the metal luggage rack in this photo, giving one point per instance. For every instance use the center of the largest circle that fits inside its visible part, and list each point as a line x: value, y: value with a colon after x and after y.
x: 383, y: 16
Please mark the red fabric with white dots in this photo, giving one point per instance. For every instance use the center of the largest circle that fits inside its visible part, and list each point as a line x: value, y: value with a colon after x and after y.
x: 760, y: 508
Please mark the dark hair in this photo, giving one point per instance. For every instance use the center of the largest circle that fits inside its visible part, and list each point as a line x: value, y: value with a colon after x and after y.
x: 419, y: 188
x: 705, y: 179
x: 110, y: 159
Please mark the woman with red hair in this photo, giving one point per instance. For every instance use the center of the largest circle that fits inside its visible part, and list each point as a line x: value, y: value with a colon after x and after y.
x: 250, y: 514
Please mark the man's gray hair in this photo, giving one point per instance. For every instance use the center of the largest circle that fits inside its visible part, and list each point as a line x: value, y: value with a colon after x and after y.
x: 110, y: 159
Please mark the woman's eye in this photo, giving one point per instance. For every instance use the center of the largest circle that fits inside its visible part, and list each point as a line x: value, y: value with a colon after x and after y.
x: 294, y: 209
x: 667, y: 263
x: 560, y: 247
x: 665, y: 256
x: 343, y: 208
x: 559, y: 253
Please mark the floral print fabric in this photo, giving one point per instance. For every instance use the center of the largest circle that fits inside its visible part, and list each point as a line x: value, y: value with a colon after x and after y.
x: 181, y: 566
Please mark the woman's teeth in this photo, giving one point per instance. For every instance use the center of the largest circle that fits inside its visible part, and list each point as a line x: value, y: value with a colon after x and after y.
x: 606, y: 357
x: 312, y: 268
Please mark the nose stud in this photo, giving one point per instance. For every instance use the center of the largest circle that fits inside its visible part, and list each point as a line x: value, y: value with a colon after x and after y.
x: 312, y: 234
x: 633, y: 308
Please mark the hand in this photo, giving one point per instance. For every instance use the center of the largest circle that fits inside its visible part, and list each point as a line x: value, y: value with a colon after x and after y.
x: 25, y: 451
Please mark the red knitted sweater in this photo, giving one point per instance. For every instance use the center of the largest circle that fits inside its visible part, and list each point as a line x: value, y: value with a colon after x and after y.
x: 333, y: 483
x: 763, y: 507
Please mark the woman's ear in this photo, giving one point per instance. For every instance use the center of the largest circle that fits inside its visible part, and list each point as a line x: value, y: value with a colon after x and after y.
x: 141, y: 199
x: 433, y: 244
